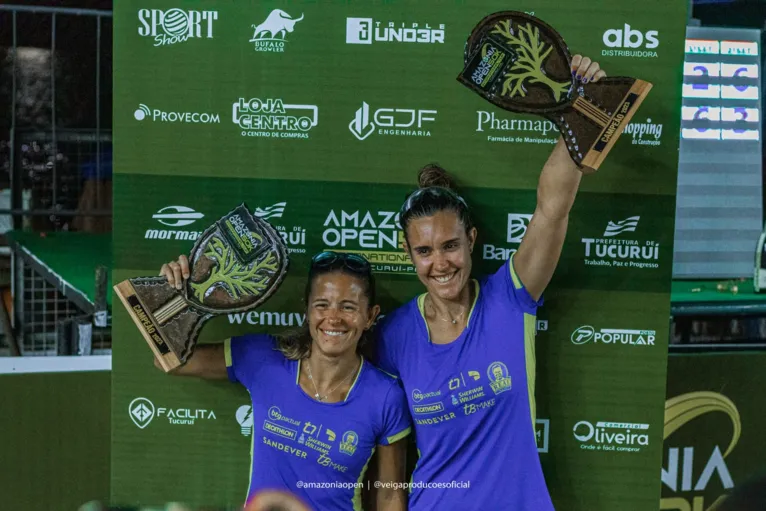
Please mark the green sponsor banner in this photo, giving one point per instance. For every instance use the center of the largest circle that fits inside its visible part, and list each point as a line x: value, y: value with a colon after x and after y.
x: 713, y: 428
x: 318, y: 115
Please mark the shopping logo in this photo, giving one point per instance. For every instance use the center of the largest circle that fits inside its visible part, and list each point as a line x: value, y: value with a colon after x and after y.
x: 391, y: 121
x: 175, y: 26
x: 274, y: 211
x: 630, y: 337
x: 367, y: 31
x: 639, y: 44
x: 244, y: 417
x: 157, y: 115
x: 270, y: 35
x: 611, y: 436
x: 644, y: 133
x: 617, y: 228
x: 141, y: 412
x: 273, y: 118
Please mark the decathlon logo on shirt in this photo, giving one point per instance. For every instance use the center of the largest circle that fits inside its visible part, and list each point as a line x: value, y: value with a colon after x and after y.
x: 175, y: 26
x: 142, y: 411
x: 368, y: 30
x: 611, y: 436
x: 586, y: 334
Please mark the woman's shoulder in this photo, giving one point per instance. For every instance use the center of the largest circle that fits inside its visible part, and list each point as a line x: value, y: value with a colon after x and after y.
x: 402, y: 316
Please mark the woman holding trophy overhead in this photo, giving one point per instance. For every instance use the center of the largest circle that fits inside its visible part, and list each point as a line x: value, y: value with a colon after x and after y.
x: 323, y: 408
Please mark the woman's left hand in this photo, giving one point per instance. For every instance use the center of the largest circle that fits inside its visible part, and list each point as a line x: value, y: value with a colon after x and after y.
x: 585, y: 70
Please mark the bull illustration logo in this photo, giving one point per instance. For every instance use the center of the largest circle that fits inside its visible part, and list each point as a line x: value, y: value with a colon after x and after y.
x: 275, y: 26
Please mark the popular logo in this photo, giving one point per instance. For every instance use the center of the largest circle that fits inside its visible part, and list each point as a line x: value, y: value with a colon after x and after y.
x: 628, y: 37
x: 141, y: 412
x: 244, y: 417
x: 274, y: 118
x: 270, y: 35
x: 611, y: 436
x: 585, y: 333
x: 615, y: 251
x: 175, y: 25
x: 348, y: 443
x: 498, y: 376
x: 156, y: 115
x: 391, y: 121
x: 367, y: 30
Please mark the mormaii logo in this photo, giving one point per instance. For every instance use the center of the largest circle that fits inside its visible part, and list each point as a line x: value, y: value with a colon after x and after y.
x: 586, y: 333
x: 157, y: 115
x: 611, y: 436
x: 630, y: 42
x: 614, y: 250
x: 174, y: 216
x: 391, y: 121
x: 273, y: 118
x: 368, y: 30
x: 175, y: 25
x: 269, y: 35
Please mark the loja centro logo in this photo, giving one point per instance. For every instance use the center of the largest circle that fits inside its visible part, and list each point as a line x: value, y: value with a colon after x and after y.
x: 611, y: 436
x: 367, y: 31
x: 141, y: 411
x: 272, y: 118
x: 156, y: 115
x: 629, y: 42
x: 175, y: 25
x: 391, y: 121
x: 517, y: 228
x: 616, y: 251
x: 587, y: 333
x: 269, y: 35
x: 293, y: 235
x: 174, y: 216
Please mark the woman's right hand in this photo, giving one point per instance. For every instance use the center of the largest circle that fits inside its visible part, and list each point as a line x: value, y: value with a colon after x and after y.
x: 176, y: 271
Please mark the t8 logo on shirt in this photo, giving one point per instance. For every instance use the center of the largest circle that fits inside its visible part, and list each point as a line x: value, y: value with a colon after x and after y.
x: 500, y: 381
x: 348, y: 444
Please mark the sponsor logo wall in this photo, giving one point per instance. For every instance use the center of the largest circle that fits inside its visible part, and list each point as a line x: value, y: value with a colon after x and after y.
x: 318, y: 116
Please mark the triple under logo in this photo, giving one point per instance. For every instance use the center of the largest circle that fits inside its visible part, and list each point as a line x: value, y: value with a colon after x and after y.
x: 391, y: 121
x: 367, y: 30
x: 587, y: 333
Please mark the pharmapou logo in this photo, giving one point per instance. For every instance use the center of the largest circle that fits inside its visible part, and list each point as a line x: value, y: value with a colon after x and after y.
x: 141, y: 412
x: 586, y: 333
x: 644, y: 133
x: 274, y: 211
x: 391, y: 121
x: 175, y: 25
x: 174, y: 216
x: 270, y: 34
x: 641, y: 44
x: 611, y: 436
x: 244, y: 417
x: 274, y: 118
x: 157, y: 115
x: 367, y: 30
x: 615, y: 251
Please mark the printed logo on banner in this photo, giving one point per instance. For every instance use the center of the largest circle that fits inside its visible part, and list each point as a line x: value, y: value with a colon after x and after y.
x: 175, y: 26
x: 244, y: 417
x: 270, y: 34
x: 611, y: 436
x: 368, y: 30
x: 630, y: 42
x: 391, y: 121
x: 587, y: 333
x: 616, y: 251
x: 517, y: 228
x: 542, y: 434
x: 265, y: 318
x: 644, y: 133
x: 375, y: 235
x: 294, y: 235
x: 157, y: 115
x: 174, y: 216
x: 141, y: 411
x: 510, y: 129
x: 273, y: 118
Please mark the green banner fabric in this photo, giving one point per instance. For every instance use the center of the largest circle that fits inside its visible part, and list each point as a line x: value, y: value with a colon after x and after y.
x: 714, y: 424
x: 318, y: 115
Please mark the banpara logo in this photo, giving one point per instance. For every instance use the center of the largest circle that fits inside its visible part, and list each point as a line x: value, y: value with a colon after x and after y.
x: 174, y: 216
x: 405, y: 122
x: 368, y: 30
x: 614, y: 250
x: 630, y: 42
x: 273, y: 118
x: 629, y: 337
x: 270, y: 35
x: 157, y: 115
x: 611, y: 436
x: 175, y: 26
x: 517, y: 228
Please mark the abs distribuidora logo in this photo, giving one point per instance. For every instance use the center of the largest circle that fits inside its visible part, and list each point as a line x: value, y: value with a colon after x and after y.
x: 628, y: 337
x: 270, y: 35
x: 273, y: 118
x: 616, y: 250
x: 369, y: 31
x: 175, y: 26
x: 630, y: 42
x: 174, y: 217
x: 623, y: 437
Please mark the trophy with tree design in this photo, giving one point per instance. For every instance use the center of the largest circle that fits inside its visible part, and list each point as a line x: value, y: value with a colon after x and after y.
x: 235, y: 265
x: 521, y: 64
